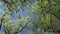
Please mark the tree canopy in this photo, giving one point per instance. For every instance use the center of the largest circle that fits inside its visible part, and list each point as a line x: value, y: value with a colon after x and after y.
x: 43, y: 18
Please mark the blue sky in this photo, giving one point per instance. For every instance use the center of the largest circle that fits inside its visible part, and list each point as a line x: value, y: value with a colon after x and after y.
x: 21, y: 13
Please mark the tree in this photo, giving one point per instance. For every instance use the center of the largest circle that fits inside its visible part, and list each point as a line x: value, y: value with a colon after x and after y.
x: 13, y: 27
x: 48, y: 16
x: 44, y: 18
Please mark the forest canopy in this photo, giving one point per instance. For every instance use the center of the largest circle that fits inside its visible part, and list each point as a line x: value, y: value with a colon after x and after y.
x: 42, y: 18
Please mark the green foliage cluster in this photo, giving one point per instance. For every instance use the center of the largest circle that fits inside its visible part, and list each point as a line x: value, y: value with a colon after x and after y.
x: 48, y: 15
